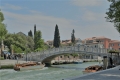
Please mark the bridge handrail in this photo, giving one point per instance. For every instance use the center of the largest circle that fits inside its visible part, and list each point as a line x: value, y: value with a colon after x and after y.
x: 72, y: 49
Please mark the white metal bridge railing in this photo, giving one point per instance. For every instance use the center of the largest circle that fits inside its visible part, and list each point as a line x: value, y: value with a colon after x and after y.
x: 39, y: 56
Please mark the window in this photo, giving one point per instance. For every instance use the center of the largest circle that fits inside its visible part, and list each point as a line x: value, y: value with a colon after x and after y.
x: 112, y: 44
x: 60, y: 56
x: 118, y: 44
x: 95, y: 45
x: 118, y: 48
x: 102, y: 40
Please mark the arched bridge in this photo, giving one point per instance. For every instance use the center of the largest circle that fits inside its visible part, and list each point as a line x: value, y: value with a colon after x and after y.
x: 48, y: 55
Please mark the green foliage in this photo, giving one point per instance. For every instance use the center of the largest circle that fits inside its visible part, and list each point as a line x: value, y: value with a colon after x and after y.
x: 73, y: 37
x: 19, y: 42
x: 3, y: 30
x: 34, y: 30
x: 113, y: 51
x: 1, y: 58
x: 56, y: 42
x: 30, y: 43
x: 74, y: 54
x: 66, y: 54
x: 40, y: 43
x: 37, y: 38
x: 30, y: 34
x: 17, y: 49
x: 7, y: 66
x: 1, y: 17
x: 113, y: 13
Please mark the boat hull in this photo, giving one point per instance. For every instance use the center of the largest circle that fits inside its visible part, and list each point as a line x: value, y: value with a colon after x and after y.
x: 77, y: 62
x: 28, y: 66
x: 92, y: 69
x: 31, y: 67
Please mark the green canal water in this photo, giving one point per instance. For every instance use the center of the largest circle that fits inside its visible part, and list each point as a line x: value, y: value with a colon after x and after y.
x: 58, y: 72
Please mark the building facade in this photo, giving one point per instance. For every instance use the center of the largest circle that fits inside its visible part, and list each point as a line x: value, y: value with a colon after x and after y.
x: 102, y: 42
x: 114, y: 44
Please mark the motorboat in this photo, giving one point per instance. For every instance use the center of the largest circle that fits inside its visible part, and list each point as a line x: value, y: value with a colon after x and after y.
x: 28, y: 66
x: 94, y: 68
x: 78, y: 61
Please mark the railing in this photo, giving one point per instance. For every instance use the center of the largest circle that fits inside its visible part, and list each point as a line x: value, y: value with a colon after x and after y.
x: 39, y: 56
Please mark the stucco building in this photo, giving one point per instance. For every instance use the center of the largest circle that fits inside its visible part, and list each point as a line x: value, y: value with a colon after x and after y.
x: 114, y: 44
x: 102, y: 42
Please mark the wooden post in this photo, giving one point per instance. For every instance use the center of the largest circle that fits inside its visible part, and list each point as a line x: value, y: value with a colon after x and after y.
x: 105, y: 62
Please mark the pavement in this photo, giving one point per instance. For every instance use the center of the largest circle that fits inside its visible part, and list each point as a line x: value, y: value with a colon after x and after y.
x: 10, y: 62
x: 109, y: 74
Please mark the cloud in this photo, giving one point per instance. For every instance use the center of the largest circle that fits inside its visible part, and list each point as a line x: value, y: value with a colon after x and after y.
x: 92, y: 24
x: 93, y: 16
x: 22, y: 22
x: 25, y: 22
x: 90, y: 16
x: 10, y: 6
x: 86, y: 2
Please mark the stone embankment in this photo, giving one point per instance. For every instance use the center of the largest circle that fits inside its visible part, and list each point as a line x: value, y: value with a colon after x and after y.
x: 9, y: 64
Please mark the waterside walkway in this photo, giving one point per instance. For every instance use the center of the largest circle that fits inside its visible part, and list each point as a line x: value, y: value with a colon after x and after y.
x: 109, y: 74
x: 10, y: 62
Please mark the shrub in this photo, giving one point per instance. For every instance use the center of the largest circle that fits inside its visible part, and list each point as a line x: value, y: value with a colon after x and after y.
x: 1, y: 58
x: 7, y: 66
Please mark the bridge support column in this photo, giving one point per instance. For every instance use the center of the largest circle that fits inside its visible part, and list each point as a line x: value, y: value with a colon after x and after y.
x: 47, y: 64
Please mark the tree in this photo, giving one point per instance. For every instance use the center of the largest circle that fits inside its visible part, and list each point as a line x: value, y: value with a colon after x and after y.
x: 56, y: 42
x: 30, y: 43
x: 19, y: 42
x: 30, y: 34
x: 113, y: 14
x: 34, y: 29
x: 40, y: 45
x: 3, y: 30
x: 73, y: 37
x: 37, y: 38
x: 1, y: 17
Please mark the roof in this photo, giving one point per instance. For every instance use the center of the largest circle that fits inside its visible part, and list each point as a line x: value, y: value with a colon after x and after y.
x: 114, y: 41
x: 92, y: 38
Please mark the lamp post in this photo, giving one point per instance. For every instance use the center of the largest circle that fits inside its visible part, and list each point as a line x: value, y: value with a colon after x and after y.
x: 0, y: 61
x: 111, y: 61
x: 26, y: 52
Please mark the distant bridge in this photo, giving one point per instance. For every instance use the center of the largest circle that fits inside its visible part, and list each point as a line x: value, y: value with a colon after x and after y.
x: 48, y: 55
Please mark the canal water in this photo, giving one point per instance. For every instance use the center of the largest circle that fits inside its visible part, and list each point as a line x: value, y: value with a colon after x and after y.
x: 57, y: 72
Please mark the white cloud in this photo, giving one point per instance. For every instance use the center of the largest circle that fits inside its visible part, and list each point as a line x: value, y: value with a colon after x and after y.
x: 93, y: 16
x: 86, y: 2
x: 23, y: 22
x: 10, y: 6
x: 90, y: 16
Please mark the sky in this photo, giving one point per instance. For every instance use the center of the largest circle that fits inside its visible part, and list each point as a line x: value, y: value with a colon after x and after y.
x: 86, y: 17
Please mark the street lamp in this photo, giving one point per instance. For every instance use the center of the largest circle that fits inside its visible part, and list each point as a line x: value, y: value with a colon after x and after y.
x: 26, y: 52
